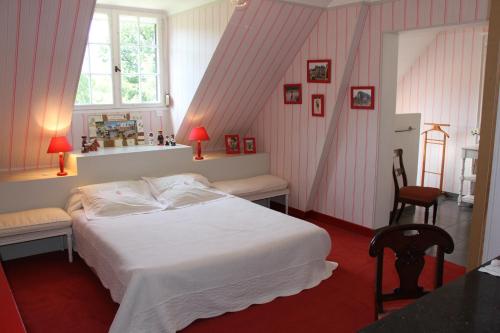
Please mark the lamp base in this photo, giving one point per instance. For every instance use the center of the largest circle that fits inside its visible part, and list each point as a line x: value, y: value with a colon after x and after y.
x: 62, y: 173
x: 198, y: 158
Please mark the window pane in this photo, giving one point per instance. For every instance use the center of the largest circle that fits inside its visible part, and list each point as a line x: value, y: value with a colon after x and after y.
x: 148, y: 60
x: 149, y: 90
x: 95, y: 85
x: 130, y: 89
x: 129, y: 57
x: 129, y: 30
x: 99, y: 29
x: 148, y: 33
x: 86, y: 62
x: 100, y: 59
x: 83, y: 93
x: 102, y: 92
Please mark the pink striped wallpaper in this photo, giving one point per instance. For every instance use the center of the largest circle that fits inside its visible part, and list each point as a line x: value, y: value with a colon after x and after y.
x: 295, y: 139
x: 42, y: 50
x: 444, y: 85
x: 193, y: 38
x: 255, y: 50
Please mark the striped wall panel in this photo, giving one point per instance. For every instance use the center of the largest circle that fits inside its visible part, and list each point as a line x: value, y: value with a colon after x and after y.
x: 193, y: 38
x: 257, y: 47
x: 289, y: 132
x: 294, y: 138
x: 444, y: 85
x: 42, y: 49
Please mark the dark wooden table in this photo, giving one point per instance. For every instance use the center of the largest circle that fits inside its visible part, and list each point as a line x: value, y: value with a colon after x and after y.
x: 469, y: 304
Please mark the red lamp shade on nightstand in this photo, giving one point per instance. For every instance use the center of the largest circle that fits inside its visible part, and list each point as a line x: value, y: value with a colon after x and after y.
x: 198, y: 134
x: 59, y: 145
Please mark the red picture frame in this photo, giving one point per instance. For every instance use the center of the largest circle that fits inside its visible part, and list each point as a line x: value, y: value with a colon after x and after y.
x: 316, y: 73
x: 318, y: 105
x: 249, y: 146
x: 363, y: 98
x: 292, y: 93
x: 232, y: 142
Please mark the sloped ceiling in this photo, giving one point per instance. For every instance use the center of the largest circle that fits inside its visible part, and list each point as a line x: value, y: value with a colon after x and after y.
x: 176, y: 6
x: 43, y: 44
x: 257, y: 47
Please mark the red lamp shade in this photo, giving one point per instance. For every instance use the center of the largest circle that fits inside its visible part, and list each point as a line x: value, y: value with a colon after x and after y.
x: 199, y: 133
x: 59, y: 144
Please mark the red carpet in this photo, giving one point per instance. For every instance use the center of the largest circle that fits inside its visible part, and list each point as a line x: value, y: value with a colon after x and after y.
x: 55, y: 296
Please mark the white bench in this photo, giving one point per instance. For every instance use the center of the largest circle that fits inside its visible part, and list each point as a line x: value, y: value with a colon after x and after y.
x: 28, y: 225
x: 255, y: 188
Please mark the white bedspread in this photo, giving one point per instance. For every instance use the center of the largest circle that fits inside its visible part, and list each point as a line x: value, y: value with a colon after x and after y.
x: 169, y: 268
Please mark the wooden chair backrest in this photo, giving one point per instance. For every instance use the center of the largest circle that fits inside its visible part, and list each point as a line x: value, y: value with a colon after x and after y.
x: 398, y: 170
x: 409, y: 242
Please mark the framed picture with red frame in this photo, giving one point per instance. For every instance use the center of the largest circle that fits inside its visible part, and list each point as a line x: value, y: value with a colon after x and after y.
x: 319, y: 71
x: 292, y: 93
x: 232, y: 143
x: 363, y: 98
x: 249, y: 146
x: 318, y: 105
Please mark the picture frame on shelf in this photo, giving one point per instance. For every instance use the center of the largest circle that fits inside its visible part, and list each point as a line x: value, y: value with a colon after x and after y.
x: 292, y: 93
x: 363, y: 98
x: 319, y: 71
x: 318, y: 105
x: 249, y: 146
x: 232, y: 142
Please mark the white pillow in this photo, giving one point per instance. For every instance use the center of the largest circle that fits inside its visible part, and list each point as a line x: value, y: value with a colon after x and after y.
x: 74, y: 202
x: 118, y: 199
x: 187, y: 196
x: 183, y: 180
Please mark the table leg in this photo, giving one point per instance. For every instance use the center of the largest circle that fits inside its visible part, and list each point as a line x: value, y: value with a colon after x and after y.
x: 70, y: 247
x: 462, y: 173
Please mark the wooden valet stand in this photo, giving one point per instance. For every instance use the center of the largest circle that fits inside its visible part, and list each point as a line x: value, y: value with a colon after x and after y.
x: 435, y: 128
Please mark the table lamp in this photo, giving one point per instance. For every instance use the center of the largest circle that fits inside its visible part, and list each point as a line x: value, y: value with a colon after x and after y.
x: 199, y: 134
x: 59, y: 145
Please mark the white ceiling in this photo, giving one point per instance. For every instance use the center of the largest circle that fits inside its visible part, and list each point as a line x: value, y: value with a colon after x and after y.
x: 414, y: 42
x: 411, y: 45
x: 175, y: 6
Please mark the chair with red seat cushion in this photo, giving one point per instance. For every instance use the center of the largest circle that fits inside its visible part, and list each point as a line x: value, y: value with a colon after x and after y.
x: 412, y: 195
x: 409, y: 242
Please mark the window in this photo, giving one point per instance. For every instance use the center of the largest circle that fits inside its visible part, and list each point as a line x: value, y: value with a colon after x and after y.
x: 96, y: 79
x: 121, y: 65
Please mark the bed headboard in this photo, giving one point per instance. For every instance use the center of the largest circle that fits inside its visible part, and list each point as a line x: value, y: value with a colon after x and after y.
x: 42, y: 188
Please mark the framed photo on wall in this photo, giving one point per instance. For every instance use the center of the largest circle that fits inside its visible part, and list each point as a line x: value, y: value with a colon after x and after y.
x: 292, y: 93
x: 249, y: 146
x: 232, y: 143
x: 318, y: 105
x: 319, y: 71
x: 363, y: 97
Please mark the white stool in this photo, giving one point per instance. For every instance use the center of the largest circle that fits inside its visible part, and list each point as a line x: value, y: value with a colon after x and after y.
x: 28, y: 225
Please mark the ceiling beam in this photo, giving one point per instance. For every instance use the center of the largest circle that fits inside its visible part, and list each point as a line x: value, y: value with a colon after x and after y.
x: 337, y: 109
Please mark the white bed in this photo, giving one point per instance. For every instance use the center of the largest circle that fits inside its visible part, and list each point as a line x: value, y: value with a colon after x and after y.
x: 169, y: 268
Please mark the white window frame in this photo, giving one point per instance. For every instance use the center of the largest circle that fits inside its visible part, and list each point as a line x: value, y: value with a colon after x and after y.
x: 113, y: 13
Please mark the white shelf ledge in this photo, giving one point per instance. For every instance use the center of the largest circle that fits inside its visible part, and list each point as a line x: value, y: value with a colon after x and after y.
x: 471, y: 178
x: 34, y: 174
x: 216, y: 155
x: 126, y: 150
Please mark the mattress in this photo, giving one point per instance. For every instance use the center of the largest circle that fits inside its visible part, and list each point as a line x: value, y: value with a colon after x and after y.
x: 169, y: 268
